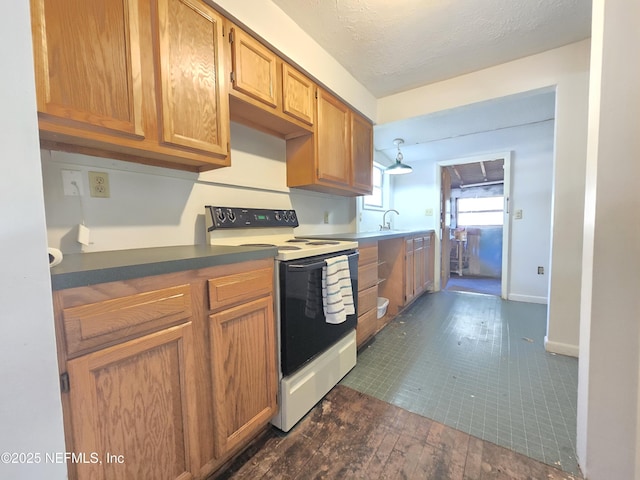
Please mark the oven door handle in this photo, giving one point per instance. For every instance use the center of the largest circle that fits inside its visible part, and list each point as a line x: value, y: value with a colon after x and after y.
x: 306, y: 267
x: 312, y: 266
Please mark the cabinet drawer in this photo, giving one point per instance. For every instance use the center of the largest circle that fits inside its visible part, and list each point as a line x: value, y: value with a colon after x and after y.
x: 368, y: 253
x: 417, y: 243
x: 367, y: 276
x: 234, y: 289
x: 103, y: 323
x: 367, y: 324
x: 367, y: 299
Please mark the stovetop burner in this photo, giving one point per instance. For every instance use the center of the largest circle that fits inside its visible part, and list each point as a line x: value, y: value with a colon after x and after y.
x: 256, y: 245
x: 288, y: 247
x: 298, y: 240
x: 324, y: 242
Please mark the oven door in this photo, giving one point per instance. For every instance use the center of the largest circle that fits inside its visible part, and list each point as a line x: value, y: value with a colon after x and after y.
x: 304, y: 332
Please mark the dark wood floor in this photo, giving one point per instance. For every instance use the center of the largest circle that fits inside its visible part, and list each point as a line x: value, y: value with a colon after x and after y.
x: 351, y: 435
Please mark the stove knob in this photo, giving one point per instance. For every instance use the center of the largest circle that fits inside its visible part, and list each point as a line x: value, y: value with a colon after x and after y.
x: 292, y: 215
x: 277, y: 215
x: 285, y: 216
x: 231, y: 215
x: 220, y: 215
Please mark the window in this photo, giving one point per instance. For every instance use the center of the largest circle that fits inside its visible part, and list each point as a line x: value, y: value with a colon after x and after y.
x: 480, y: 211
x: 375, y: 200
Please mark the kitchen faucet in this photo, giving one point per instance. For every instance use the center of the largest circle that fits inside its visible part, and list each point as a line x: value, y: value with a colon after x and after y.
x: 387, y: 225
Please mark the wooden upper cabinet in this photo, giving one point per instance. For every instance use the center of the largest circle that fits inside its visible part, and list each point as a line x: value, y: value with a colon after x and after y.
x: 87, y: 64
x: 267, y: 93
x: 361, y: 154
x: 298, y: 95
x: 333, y: 141
x: 141, y: 81
x: 136, y: 399
x: 338, y: 157
x: 194, y: 105
x: 254, y: 68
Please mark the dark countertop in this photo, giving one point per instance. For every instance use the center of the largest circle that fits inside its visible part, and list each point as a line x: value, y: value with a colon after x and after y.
x: 81, y: 269
x: 361, y: 236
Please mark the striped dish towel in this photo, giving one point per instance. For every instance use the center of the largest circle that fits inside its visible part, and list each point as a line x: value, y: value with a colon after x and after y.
x: 337, y: 295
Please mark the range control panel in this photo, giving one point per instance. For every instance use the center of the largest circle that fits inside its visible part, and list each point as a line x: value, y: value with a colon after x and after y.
x: 233, y: 217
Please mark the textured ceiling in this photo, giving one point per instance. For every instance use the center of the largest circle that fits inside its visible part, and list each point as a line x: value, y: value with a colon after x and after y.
x: 392, y: 46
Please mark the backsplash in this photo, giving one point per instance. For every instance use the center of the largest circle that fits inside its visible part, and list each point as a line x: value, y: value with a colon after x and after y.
x: 154, y: 207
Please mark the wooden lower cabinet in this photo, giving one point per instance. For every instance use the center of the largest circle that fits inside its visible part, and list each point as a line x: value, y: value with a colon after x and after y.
x: 367, y: 292
x: 243, y: 366
x: 169, y: 376
x: 133, y: 407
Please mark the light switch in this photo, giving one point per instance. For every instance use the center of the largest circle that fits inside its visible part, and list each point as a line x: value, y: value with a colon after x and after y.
x: 518, y: 214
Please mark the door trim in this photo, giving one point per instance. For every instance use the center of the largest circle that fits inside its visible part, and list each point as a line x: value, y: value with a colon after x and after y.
x: 506, y: 156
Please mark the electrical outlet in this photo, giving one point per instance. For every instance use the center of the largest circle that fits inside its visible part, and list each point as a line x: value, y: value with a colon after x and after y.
x: 99, y: 184
x: 326, y: 217
x: 518, y: 214
x: 72, y: 183
x: 540, y: 270
x: 429, y: 212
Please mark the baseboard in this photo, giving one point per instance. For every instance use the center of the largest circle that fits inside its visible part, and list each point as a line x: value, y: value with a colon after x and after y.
x: 527, y: 298
x: 561, y: 348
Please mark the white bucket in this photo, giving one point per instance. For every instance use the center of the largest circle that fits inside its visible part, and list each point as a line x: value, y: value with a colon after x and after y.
x: 383, y: 303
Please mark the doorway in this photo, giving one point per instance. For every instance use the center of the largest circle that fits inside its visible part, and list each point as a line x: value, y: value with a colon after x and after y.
x: 475, y: 224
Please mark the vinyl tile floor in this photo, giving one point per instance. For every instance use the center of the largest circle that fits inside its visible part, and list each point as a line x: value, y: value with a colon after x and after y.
x: 477, y: 363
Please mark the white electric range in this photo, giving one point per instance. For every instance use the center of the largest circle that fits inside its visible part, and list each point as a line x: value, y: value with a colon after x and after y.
x: 313, y: 355
x: 264, y: 228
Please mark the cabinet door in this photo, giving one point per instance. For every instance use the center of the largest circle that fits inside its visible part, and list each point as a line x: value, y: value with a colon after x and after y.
x: 361, y: 154
x: 136, y: 399
x: 298, y: 95
x: 87, y: 65
x: 244, y: 371
x: 254, y: 68
x: 333, y: 147
x: 409, y: 268
x: 194, y: 105
x: 418, y: 261
x: 429, y: 273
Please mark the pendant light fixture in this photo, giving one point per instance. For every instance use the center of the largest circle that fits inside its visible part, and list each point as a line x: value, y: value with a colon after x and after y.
x: 398, y: 168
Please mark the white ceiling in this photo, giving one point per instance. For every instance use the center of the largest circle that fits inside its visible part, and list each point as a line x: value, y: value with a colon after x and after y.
x: 392, y: 46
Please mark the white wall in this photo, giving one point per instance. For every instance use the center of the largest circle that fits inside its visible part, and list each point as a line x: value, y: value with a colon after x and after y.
x: 30, y: 409
x: 153, y: 207
x: 566, y: 68
x: 608, y: 388
x: 532, y: 170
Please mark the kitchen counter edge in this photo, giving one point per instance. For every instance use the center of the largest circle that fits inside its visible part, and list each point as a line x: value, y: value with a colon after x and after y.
x: 83, y: 269
x: 363, y: 236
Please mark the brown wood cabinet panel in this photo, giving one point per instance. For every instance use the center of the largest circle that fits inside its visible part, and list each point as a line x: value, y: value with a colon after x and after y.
x: 136, y: 399
x: 88, y: 68
x: 333, y: 145
x: 367, y: 299
x: 243, y: 357
x: 234, y: 289
x: 368, y: 253
x: 419, y: 266
x: 409, y: 272
x: 298, y: 95
x: 361, y: 154
x: 88, y: 327
x: 194, y: 103
x: 254, y: 68
x: 367, y: 326
x: 367, y: 276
